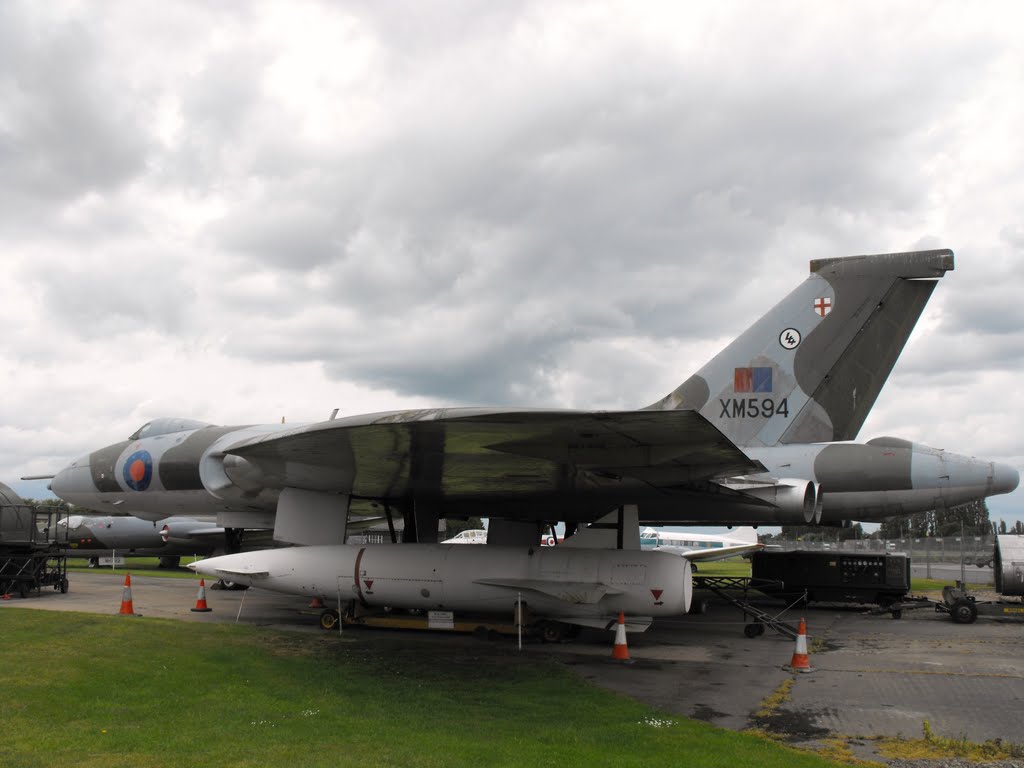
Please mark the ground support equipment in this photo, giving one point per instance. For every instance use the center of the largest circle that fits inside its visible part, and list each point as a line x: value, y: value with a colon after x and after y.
x: 726, y: 587
x: 31, y: 553
x: 964, y: 608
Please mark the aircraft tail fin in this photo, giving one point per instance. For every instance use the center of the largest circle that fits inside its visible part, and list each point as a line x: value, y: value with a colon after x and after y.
x: 811, y: 368
x: 747, y: 534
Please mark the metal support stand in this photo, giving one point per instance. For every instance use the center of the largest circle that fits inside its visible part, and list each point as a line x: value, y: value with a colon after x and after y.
x: 761, y: 619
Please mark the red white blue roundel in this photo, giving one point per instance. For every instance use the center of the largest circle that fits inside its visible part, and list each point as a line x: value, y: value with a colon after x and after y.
x: 138, y: 470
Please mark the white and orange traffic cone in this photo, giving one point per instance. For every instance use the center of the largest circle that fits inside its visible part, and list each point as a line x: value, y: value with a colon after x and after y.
x: 201, y: 606
x: 127, y: 607
x: 801, y: 662
x: 620, y: 652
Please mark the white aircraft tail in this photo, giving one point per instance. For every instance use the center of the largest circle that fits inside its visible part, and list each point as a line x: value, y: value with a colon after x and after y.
x: 811, y: 369
x: 746, y: 534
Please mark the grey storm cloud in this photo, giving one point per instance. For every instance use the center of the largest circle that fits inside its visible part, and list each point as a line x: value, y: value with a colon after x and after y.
x: 515, y: 203
x: 67, y: 127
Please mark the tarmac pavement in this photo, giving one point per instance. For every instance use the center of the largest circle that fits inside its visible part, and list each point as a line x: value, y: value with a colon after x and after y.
x: 874, y: 676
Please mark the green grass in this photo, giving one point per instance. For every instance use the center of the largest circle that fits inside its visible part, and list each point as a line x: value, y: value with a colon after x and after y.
x: 928, y: 585
x: 142, y: 566
x: 735, y: 566
x: 105, y: 692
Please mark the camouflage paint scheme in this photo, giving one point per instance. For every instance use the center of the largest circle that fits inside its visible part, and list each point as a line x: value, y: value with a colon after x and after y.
x: 749, y: 439
x: 172, y: 537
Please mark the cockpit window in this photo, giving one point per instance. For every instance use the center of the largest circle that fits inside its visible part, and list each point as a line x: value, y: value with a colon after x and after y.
x: 167, y: 426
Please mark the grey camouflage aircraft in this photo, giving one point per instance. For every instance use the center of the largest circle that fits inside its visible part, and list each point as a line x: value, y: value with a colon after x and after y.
x: 168, y: 539
x: 760, y: 435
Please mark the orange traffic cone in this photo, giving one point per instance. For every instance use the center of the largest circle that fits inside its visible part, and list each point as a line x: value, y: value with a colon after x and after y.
x: 620, y: 652
x: 201, y: 606
x: 127, y: 608
x: 801, y: 662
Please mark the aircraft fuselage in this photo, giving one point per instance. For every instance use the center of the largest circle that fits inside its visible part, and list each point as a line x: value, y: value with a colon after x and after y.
x: 189, y: 472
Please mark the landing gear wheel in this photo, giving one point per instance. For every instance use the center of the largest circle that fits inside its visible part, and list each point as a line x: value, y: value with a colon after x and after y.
x: 329, y: 619
x: 754, y: 629
x: 964, y: 611
x: 23, y: 590
x: 897, y: 613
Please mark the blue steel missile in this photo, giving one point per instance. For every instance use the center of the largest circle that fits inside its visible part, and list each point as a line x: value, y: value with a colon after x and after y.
x: 587, y: 587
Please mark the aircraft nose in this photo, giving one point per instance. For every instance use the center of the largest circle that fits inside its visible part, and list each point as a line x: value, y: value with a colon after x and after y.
x: 1005, y: 478
x: 72, y: 481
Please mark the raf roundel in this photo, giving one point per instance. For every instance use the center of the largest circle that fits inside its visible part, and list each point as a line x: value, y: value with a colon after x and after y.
x: 138, y: 470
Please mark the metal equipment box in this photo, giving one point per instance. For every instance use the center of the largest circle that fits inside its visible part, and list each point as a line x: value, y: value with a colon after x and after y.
x: 834, y: 577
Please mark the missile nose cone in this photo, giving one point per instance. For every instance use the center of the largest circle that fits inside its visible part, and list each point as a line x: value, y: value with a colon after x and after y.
x: 1005, y: 478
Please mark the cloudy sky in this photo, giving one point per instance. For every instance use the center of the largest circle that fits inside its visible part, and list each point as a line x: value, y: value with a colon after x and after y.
x: 243, y: 212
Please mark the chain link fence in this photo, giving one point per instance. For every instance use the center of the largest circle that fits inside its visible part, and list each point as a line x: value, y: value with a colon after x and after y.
x: 975, y: 550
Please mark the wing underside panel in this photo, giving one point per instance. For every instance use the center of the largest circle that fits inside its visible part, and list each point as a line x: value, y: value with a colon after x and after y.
x: 500, y: 456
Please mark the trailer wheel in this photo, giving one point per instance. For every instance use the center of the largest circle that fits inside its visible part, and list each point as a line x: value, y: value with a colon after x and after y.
x: 23, y: 589
x: 754, y: 629
x: 329, y: 619
x: 964, y: 611
x: 897, y: 613
x: 553, y: 632
x: 64, y: 585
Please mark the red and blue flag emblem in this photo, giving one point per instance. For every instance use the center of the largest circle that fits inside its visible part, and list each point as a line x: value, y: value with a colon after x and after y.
x: 752, y: 380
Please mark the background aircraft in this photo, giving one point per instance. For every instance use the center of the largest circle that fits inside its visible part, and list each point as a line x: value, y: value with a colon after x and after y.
x: 169, y: 538
x: 748, y: 439
x: 471, y: 536
x: 701, y: 547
